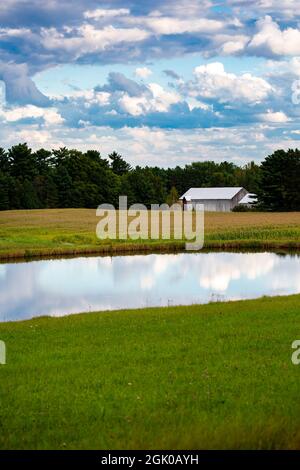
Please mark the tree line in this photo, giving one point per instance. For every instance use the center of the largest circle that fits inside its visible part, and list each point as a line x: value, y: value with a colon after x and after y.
x: 70, y: 178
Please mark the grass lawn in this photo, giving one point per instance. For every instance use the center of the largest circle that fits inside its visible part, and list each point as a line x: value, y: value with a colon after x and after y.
x: 72, y: 231
x: 213, y: 376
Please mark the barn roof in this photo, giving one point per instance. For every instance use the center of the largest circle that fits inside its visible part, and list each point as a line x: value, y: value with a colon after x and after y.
x: 250, y: 198
x: 210, y: 193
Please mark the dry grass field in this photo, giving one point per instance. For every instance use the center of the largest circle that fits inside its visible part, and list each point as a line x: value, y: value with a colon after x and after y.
x: 73, y: 231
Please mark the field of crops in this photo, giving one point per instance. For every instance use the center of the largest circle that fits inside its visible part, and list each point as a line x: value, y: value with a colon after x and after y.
x: 73, y: 231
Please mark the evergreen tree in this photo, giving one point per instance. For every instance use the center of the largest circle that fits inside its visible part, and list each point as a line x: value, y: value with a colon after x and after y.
x: 71, y: 178
x: 50, y: 192
x: 118, y: 165
x: 42, y: 159
x: 4, y: 161
x: 23, y: 165
x: 173, y: 196
x: 280, y: 181
x: 29, y: 198
x: 65, y: 187
x: 4, y: 191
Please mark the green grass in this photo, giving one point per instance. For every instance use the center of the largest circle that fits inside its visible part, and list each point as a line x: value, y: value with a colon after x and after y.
x: 73, y: 231
x: 214, y: 376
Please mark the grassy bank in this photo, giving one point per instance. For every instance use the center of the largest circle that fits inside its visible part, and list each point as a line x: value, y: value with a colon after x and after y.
x: 214, y: 376
x: 72, y: 231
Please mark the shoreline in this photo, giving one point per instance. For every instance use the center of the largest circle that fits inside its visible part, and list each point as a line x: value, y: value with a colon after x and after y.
x: 147, y: 248
x: 156, y: 309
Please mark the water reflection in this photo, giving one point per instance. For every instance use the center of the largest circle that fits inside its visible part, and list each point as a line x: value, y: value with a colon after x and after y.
x: 59, y: 287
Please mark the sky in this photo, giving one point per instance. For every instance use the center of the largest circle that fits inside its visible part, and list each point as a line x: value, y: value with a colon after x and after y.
x: 162, y: 82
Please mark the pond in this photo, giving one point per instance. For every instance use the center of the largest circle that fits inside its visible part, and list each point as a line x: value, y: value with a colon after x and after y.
x: 63, y: 286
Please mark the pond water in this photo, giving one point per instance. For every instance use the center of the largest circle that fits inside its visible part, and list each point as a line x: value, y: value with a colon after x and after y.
x: 63, y: 286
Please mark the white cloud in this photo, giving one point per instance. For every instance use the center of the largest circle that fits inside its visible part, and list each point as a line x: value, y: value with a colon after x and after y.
x: 213, y: 82
x: 270, y: 38
x: 276, y: 117
x: 169, y: 25
x: 158, y: 100
x: 14, y: 32
x: 162, y: 99
x: 143, y: 72
x: 50, y: 115
x: 134, y: 105
x: 155, y: 146
x: 102, y: 98
x: 234, y: 45
x: 195, y: 104
x: 217, y: 274
x: 36, y: 138
x: 100, y: 13
x: 164, y: 25
x: 88, y: 39
x: 280, y: 67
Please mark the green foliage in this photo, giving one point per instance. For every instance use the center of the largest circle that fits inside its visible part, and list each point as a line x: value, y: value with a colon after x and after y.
x: 118, y: 165
x: 172, y: 196
x: 29, y: 196
x: 70, y: 178
x: 4, y: 191
x: 280, y: 181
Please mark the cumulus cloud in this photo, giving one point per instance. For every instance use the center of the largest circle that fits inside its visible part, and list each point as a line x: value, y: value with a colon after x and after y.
x: 119, y: 98
x: 276, y: 117
x: 53, y: 33
x: 155, y: 100
x: 271, y: 40
x: 49, y: 115
x: 251, y: 92
x: 213, y: 98
x: 212, y: 82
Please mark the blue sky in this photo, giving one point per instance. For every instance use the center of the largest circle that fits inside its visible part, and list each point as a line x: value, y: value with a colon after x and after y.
x: 162, y: 82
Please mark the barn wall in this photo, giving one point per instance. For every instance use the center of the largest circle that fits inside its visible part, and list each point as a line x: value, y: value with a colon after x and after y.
x: 218, y: 205
x: 238, y: 197
x: 214, y: 205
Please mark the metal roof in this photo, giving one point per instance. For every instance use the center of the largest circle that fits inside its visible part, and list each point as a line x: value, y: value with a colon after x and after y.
x: 250, y: 198
x: 210, y: 193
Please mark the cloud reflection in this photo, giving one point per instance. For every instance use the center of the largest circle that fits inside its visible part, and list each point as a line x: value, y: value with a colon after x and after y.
x: 58, y: 287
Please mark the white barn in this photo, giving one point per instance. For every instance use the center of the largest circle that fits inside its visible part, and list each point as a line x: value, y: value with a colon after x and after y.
x: 214, y: 199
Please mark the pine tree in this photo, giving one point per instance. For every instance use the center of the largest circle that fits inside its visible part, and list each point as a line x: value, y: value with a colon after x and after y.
x: 172, y: 197
x: 4, y: 191
x: 118, y: 165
